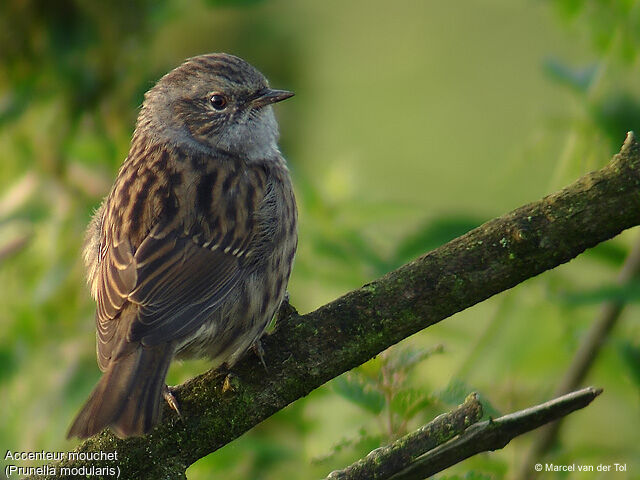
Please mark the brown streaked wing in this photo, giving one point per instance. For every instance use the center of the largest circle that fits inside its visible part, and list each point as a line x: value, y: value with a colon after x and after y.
x: 116, y: 278
x: 178, y: 288
x: 179, y: 283
x: 173, y: 283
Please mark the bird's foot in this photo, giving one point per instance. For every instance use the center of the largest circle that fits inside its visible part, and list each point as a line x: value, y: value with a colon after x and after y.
x: 259, y: 351
x: 286, y: 309
x: 171, y: 399
x: 230, y: 383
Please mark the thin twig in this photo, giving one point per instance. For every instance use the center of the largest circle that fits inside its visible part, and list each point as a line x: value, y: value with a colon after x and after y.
x: 495, y: 434
x: 390, y: 459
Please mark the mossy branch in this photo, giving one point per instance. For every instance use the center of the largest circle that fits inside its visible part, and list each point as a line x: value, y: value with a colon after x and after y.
x: 385, y: 461
x: 433, y: 448
x: 306, y: 351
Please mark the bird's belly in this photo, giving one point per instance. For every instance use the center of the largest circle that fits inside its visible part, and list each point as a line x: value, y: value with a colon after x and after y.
x: 243, y: 316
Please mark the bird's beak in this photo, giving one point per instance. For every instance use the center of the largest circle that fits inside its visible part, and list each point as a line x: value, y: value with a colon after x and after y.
x: 269, y: 96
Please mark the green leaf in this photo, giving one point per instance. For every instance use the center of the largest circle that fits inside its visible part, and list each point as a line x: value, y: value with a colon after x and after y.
x: 358, y: 392
x: 408, y: 403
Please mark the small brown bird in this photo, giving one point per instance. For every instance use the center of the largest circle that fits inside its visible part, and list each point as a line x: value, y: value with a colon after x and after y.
x: 190, y: 253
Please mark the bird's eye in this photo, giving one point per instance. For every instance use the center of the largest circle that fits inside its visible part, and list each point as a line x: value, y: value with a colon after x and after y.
x: 218, y: 101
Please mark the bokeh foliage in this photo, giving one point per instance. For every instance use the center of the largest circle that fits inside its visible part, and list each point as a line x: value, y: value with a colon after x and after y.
x: 413, y: 123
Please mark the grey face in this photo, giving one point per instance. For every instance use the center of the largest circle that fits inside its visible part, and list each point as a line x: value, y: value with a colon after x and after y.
x: 216, y: 102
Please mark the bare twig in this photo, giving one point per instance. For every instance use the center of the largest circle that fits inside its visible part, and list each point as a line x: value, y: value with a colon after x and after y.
x: 390, y: 459
x: 495, y: 434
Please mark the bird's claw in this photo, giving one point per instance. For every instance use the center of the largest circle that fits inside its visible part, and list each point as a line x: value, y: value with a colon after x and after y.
x: 259, y: 351
x: 171, y: 400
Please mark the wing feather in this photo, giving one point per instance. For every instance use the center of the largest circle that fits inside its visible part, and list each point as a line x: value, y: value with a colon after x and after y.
x: 172, y: 280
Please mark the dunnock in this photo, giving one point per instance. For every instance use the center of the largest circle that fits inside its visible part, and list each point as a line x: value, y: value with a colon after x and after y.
x: 190, y: 253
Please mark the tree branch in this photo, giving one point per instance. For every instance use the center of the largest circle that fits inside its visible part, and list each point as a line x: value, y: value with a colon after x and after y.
x: 385, y: 461
x: 495, y: 434
x: 306, y: 351
x: 430, y: 449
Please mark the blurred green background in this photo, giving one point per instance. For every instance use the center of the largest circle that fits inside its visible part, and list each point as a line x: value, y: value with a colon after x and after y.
x: 413, y: 122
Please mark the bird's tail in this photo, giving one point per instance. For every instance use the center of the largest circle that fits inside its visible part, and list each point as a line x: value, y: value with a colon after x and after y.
x: 128, y: 396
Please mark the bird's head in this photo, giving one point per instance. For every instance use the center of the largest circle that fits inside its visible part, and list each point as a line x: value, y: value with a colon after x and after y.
x: 214, y: 102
